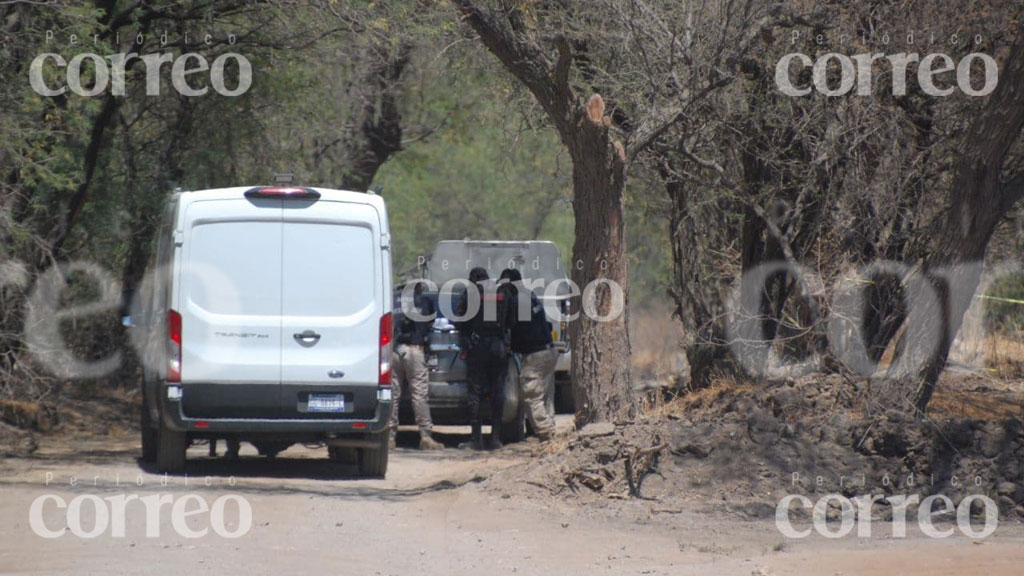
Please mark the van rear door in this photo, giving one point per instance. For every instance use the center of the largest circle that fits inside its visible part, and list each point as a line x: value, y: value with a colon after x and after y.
x: 230, y: 298
x: 331, y: 294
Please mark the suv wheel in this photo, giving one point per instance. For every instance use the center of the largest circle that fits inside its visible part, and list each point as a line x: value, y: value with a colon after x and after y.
x: 565, y: 403
x: 373, y: 462
x: 515, y: 431
x: 513, y: 427
x: 170, y: 450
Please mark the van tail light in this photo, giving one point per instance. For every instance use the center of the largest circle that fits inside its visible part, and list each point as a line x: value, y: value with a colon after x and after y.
x: 173, y: 346
x: 283, y: 192
x: 385, y: 351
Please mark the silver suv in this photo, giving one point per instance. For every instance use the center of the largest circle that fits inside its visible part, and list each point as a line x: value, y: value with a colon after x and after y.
x: 447, y: 267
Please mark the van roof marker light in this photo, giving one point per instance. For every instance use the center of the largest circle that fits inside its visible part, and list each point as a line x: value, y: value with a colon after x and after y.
x: 282, y: 192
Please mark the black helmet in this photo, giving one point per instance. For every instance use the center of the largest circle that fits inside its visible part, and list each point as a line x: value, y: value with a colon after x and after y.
x: 511, y: 274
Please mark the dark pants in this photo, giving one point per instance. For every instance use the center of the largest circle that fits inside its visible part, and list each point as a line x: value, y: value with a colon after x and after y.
x: 486, y: 366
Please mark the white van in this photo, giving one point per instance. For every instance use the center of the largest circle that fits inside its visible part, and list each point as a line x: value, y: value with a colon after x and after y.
x: 268, y: 319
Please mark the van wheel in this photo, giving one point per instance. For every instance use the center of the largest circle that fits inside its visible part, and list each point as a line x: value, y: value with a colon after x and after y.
x: 343, y: 455
x: 170, y: 450
x: 148, y: 434
x: 373, y: 462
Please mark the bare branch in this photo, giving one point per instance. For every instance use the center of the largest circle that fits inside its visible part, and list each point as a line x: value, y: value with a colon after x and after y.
x: 560, y: 72
x: 525, y: 60
x: 651, y: 127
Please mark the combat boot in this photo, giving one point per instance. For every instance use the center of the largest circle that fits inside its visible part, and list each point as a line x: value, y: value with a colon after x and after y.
x: 427, y: 442
x: 477, y: 441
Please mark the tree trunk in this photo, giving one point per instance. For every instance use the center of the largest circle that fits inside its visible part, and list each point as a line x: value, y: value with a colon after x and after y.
x: 601, y: 365
x: 930, y: 333
x: 381, y: 123
x: 693, y: 307
x: 978, y: 199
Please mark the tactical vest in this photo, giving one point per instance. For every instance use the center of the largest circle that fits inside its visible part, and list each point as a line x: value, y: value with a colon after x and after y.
x: 492, y: 319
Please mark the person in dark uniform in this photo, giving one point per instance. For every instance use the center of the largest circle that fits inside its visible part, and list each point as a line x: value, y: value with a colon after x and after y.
x: 531, y: 339
x: 486, y: 338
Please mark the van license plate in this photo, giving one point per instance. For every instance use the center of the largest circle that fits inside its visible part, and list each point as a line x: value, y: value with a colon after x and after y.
x: 326, y: 403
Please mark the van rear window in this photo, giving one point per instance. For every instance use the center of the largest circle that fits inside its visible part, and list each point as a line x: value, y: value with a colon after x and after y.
x: 236, y: 267
x: 328, y: 269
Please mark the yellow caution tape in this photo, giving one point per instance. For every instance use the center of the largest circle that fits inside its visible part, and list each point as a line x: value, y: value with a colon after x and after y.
x: 997, y: 299
x: 986, y: 297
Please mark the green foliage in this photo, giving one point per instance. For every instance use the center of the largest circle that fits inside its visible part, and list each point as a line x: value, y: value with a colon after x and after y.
x: 1004, y: 304
x: 482, y: 176
x: 474, y: 164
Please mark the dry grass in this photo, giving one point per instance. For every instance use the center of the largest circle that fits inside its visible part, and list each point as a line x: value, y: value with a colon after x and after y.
x: 984, y: 381
x: 656, y: 339
x: 987, y: 381
x: 1004, y: 356
x: 958, y: 396
x: 26, y: 415
x: 697, y: 402
x: 961, y: 403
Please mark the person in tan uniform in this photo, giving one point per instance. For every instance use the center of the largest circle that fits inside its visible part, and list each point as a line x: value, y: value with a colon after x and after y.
x: 409, y: 369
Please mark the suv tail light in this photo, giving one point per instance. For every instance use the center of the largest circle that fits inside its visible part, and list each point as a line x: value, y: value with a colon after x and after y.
x: 282, y: 192
x: 385, y: 351
x: 173, y: 346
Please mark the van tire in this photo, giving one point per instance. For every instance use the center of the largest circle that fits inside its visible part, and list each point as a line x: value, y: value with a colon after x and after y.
x: 170, y: 450
x: 373, y: 462
x: 343, y: 455
x: 148, y: 434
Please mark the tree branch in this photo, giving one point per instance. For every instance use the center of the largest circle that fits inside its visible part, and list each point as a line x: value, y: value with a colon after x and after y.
x: 526, y: 61
x: 560, y: 73
x: 999, y: 124
x: 651, y: 127
x: 92, y: 153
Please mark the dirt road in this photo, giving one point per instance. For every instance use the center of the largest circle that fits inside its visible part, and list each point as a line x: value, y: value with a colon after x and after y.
x: 430, y: 516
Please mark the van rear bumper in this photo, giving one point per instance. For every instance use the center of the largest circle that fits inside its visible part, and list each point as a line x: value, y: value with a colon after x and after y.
x: 203, y: 416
